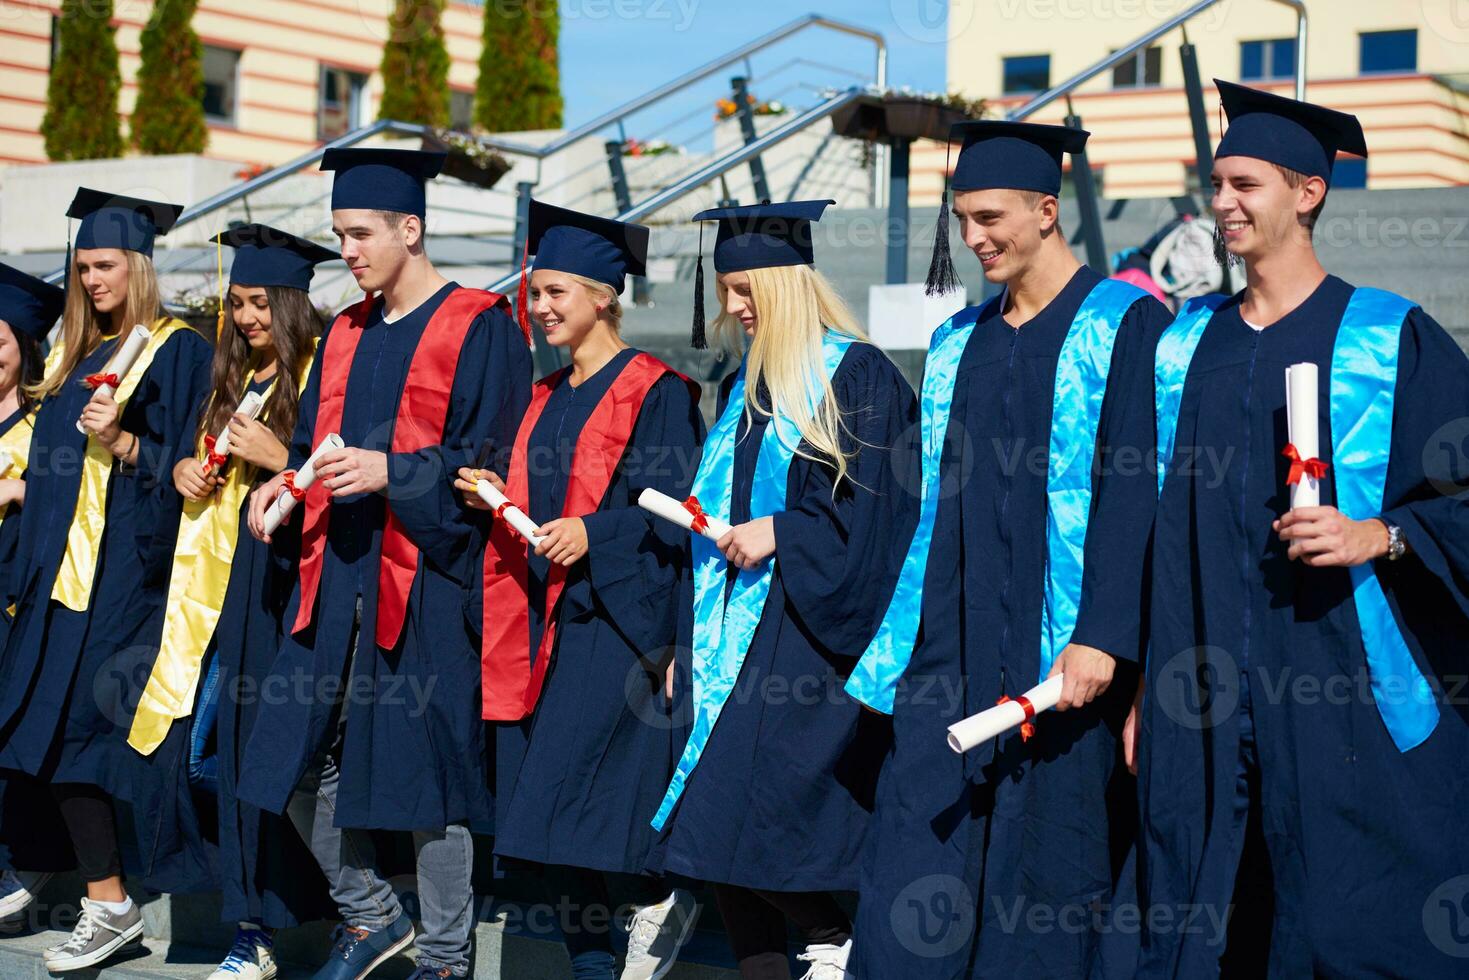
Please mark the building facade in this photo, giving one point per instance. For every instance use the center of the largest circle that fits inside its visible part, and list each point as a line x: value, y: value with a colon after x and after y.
x: 1402, y: 66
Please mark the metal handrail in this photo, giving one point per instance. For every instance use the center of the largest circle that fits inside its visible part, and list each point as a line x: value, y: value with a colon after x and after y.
x: 1122, y: 54
x: 722, y: 165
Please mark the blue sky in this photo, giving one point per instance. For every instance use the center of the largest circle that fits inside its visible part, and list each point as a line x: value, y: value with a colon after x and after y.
x: 614, y: 50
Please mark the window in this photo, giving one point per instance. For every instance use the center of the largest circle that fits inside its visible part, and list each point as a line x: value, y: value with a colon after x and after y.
x: 1027, y: 73
x: 55, y: 40
x: 1267, y: 61
x: 1125, y: 73
x: 1349, y: 172
x: 221, y: 82
x: 1385, y: 51
x: 341, y: 102
x: 461, y: 110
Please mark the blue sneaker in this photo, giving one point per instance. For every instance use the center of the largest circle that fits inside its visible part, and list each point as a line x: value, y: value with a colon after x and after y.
x: 357, y: 952
x: 432, y: 973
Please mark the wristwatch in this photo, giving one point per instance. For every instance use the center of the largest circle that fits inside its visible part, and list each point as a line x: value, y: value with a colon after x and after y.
x: 1397, y: 545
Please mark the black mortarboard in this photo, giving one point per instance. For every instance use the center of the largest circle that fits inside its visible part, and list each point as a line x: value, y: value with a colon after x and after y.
x: 381, y: 180
x: 117, y: 221
x: 1016, y: 155
x: 1296, y: 135
x: 266, y: 256
x: 600, y: 249
x: 28, y: 304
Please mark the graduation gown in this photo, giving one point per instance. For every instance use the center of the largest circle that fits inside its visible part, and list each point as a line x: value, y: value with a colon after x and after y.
x: 1362, y: 839
x: 783, y: 792
x: 964, y: 847
x: 602, y: 741
x: 68, y: 679
x: 414, y: 754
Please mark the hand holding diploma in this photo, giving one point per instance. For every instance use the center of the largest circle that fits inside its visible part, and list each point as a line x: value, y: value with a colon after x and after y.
x: 106, y: 381
x: 292, y: 487
x: 685, y: 513
x: 1304, y: 433
x: 484, y: 490
x: 218, y: 447
x: 980, y: 728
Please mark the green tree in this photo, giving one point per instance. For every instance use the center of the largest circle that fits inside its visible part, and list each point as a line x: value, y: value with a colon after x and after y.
x: 81, y: 121
x: 519, y: 79
x: 169, y: 114
x: 416, y: 64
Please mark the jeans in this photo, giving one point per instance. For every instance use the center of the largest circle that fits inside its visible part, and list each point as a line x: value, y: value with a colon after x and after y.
x: 204, y: 765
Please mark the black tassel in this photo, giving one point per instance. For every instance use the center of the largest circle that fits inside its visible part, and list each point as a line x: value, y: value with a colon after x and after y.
x: 699, y: 340
x: 942, y: 276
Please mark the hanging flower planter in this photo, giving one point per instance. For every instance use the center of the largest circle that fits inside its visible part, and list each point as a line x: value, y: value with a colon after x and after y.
x: 886, y: 117
x: 468, y: 159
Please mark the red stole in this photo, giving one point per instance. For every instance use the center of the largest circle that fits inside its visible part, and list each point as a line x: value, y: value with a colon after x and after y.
x: 510, y: 683
x: 422, y: 411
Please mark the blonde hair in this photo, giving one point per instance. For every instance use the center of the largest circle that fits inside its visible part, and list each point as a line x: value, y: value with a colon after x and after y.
x: 613, y: 311
x: 82, y: 326
x: 795, y: 304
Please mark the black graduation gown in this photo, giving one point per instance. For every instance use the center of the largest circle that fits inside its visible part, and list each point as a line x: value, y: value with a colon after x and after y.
x: 1362, y: 839
x: 602, y: 741
x: 1013, y: 826
x: 783, y: 793
x: 414, y: 750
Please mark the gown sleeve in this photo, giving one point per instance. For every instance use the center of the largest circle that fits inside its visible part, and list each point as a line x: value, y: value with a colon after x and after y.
x: 634, y: 560
x: 164, y: 410
x: 838, y: 554
x: 300, y: 446
x: 490, y: 393
x: 1428, y: 476
x: 1112, y: 611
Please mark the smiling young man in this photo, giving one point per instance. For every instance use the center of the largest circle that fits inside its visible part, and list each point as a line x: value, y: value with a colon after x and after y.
x: 1027, y: 562
x: 382, y: 729
x: 1296, y: 766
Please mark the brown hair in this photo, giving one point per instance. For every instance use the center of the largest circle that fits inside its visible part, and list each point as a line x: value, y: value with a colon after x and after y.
x: 82, y: 326
x: 1294, y: 179
x: 294, y: 326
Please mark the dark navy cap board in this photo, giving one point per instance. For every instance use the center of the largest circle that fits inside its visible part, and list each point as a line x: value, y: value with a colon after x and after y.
x: 1296, y: 135
x: 596, y: 248
x: 381, y: 180
x: 28, y: 304
x: 764, y: 236
x: 1017, y: 156
x: 118, y: 221
x: 266, y: 256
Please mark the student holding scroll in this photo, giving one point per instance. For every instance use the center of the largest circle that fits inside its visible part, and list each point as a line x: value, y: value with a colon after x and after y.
x: 808, y: 460
x: 226, y: 595
x: 1038, y: 429
x: 579, y: 631
x: 387, y: 734
x: 95, y: 539
x: 1301, y: 749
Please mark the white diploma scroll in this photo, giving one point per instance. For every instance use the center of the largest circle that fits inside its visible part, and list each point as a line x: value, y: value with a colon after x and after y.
x: 282, y: 506
x: 123, y: 359
x: 250, y: 406
x: 1303, y: 428
x: 976, y: 729
x: 514, y: 516
x: 6, y: 461
x: 667, y: 508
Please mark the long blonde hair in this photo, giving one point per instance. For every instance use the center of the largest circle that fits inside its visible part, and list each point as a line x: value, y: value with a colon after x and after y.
x: 82, y: 326
x: 793, y: 304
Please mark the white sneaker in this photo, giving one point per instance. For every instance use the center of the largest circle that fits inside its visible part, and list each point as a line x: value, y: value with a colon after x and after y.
x: 827, y: 962
x: 252, y: 957
x: 18, y: 890
x: 97, y: 936
x: 656, y: 933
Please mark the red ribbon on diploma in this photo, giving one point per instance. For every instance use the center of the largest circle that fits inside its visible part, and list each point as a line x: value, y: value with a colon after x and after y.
x: 1027, y: 728
x: 291, y: 487
x: 1313, y: 467
x: 701, y: 521
x: 95, y: 381
x: 212, y: 460
x: 500, y: 511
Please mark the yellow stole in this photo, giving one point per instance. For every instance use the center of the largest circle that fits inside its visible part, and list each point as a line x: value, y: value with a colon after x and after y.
x: 73, y: 587
x: 17, y: 442
x: 208, y: 535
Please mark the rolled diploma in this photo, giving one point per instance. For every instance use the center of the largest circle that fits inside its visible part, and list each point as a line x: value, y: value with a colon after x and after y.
x: 250, y: 407
x: 123, y: 359
x: 666, y: 507
x: 282, y: 506
x: 1303, y: 431
x: 514, y: 516
x: 6, y: 461
x: 965, y: 735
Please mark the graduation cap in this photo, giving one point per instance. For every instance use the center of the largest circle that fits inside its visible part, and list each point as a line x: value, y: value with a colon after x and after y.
x: 1296, y: 135
x: 28, y: 304
x: 381, y: 180
x: 1017, y: 156
x: 756, y: 236
x: 117, y: 221
x: 266, y: 256
x: 600, y: 249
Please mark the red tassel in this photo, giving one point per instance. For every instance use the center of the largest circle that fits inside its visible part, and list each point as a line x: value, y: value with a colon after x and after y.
x: 522, y: 296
